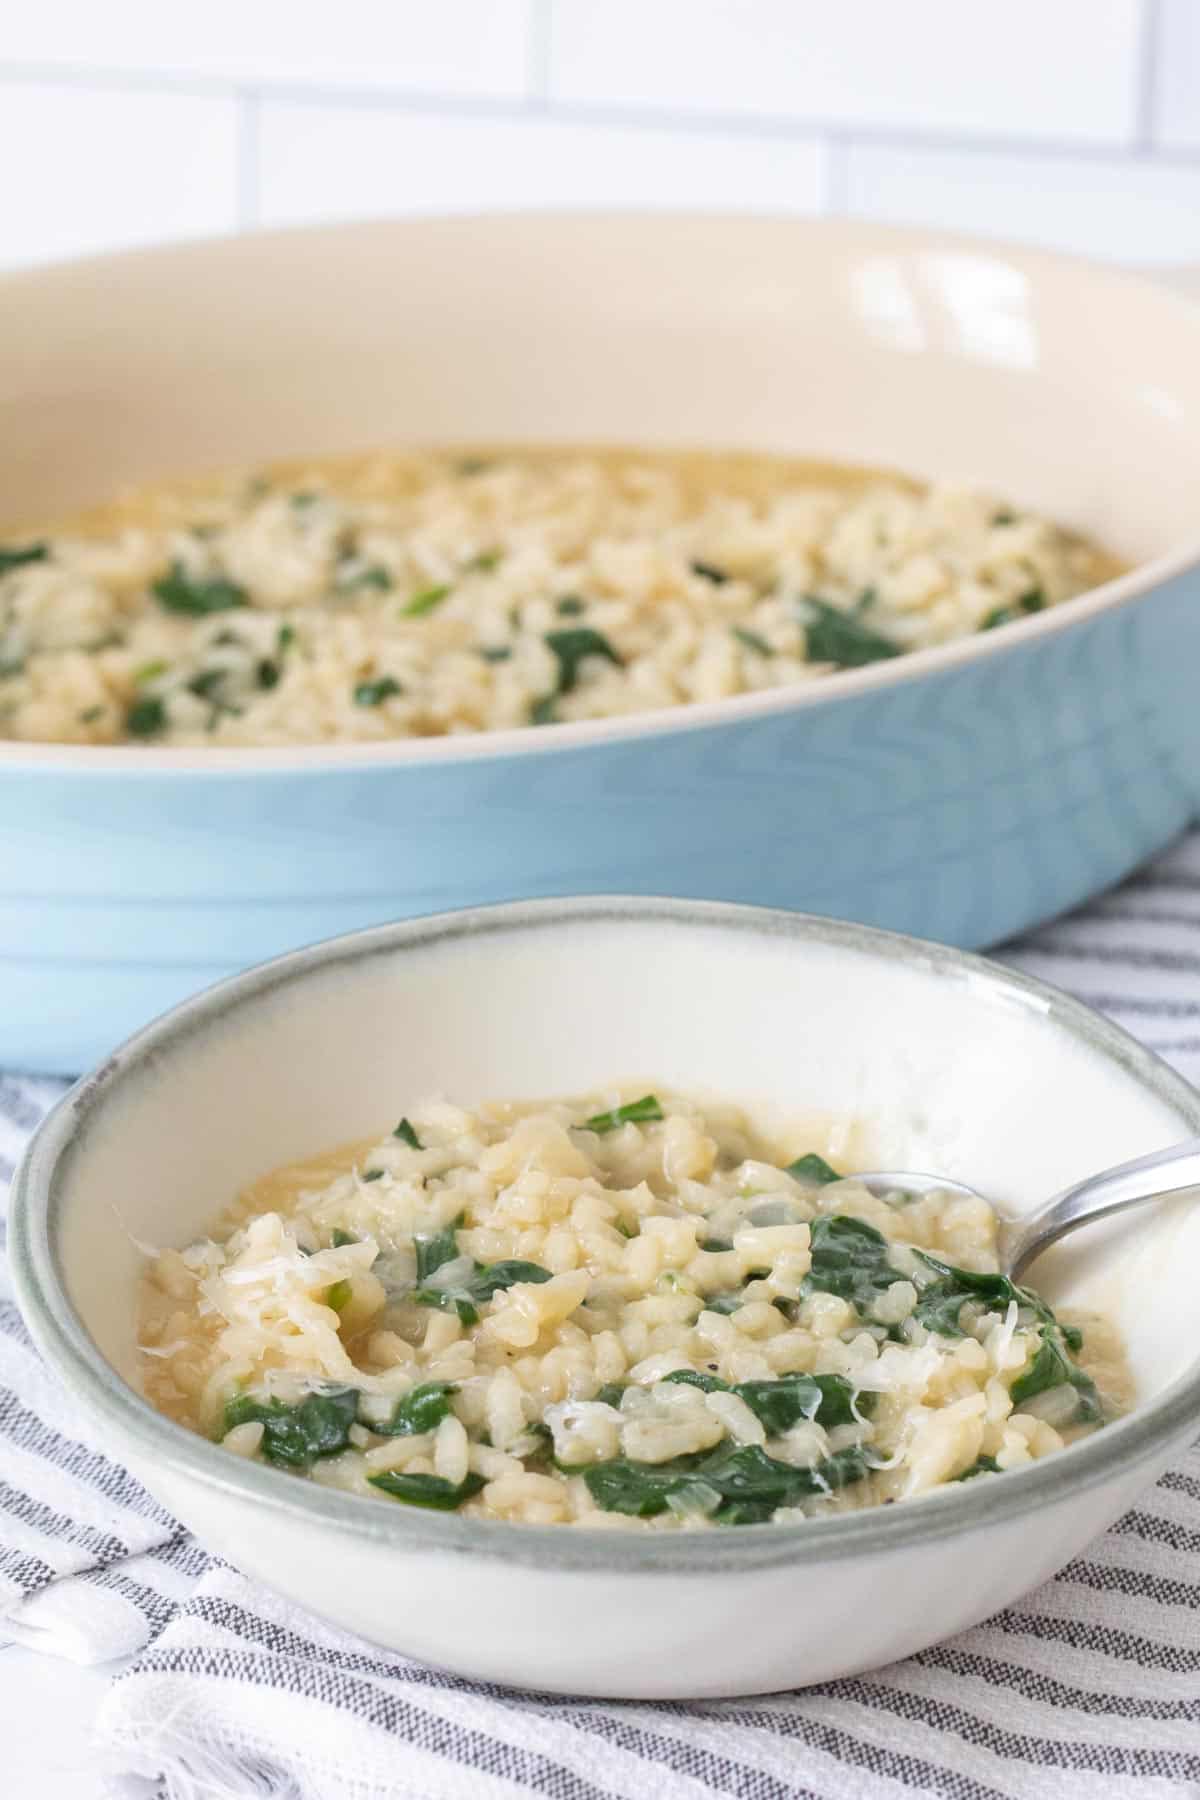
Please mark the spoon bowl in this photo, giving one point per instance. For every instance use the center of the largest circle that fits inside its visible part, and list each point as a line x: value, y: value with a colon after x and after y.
x: 1021, y: 1241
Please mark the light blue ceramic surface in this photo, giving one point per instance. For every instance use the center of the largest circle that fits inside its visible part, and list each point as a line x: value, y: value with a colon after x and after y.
x: 960, y: 795
x: 963, y: 806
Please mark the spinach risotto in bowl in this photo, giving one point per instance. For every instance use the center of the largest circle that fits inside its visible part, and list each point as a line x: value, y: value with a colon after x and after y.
x: 630, y: 1310
x: 416, y: 595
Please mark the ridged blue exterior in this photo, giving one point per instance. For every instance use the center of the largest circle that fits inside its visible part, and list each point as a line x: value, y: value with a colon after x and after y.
x: 965, y: 806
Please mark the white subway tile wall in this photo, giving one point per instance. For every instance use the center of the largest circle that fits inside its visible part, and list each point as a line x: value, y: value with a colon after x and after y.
x: 924, y: 65
x: 312, y: 157
x: 1177, y: 86
x: 95, y: 168
x: 1073, y: 122
x: 1068, y: 202
x: 450, y: 47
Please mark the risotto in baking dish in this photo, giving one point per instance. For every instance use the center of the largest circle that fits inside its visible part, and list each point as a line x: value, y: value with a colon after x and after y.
x: 417, y: 595
x: 629, y: 1310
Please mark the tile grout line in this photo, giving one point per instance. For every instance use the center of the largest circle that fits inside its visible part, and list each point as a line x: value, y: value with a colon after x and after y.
x: 1146, y: 76
x: 836, y: 140
x: 541, y: 27
x: 501, y: 108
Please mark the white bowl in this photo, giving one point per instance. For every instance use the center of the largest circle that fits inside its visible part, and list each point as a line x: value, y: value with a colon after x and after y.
x: 963, y: 1068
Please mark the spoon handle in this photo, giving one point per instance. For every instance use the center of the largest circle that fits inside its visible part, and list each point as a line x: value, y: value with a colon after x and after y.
x: 1146, y: 1178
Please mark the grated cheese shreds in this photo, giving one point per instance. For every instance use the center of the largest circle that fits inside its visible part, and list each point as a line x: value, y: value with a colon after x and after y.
x: 628, y: 1309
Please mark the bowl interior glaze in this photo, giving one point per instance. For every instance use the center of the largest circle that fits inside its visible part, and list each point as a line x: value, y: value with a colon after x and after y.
x: 933, y: 353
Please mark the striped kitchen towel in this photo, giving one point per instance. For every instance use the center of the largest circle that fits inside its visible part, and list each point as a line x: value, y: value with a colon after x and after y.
x: 1089, y: 1689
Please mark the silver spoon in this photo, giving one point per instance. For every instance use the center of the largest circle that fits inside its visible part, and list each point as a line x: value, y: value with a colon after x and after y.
x: 1020, y: 1240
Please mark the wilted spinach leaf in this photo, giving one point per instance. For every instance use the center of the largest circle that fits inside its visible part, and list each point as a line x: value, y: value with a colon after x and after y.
x: 422, y: 1409
x: 752, y: 640
x: 197, y: 595
x: 425, y: 602
x: 374, y: 693
x: 635, y: 1112
x: 750, y: 1483
x: 1031, y: 602
x: 455, y: 1300
x: 441, y: 1248
x: 426, y: 1490
x: 487, y: 1280
x: 850, y: 1259
x: 146, y: 717
x: 571, y: 647
x: 319, y: 1425
x: 938, y: 1307
x: 780, y: 1404
x: 938, y: 1304
x: 353, y: 577
x: 841, y: 638
x: 813, y: 1169
x: 490, y: 1278
x: 983, y: 1465
x: 697, y: 1378
x: 725, y: 1303
x: 1052, y: 1367
x: 15, y: 556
